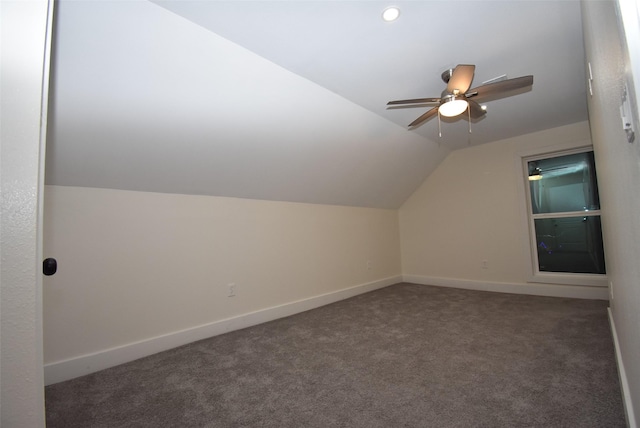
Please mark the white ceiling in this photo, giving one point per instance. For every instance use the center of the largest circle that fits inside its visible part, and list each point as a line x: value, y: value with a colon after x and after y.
x: 286, y: 100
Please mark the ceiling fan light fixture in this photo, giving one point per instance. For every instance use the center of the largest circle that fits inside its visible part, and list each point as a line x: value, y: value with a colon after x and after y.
x: 390, y: 14
x: 535, y: 175
x: 453, y: 107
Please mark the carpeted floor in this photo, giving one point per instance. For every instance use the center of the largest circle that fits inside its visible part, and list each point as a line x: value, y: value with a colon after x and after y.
x: 403, y: 356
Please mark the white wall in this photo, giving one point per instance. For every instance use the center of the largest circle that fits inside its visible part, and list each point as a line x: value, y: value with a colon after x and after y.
x: 241, y: 125
x: 618, y: 165
x: 25, y: 64
x: 470, y: 210
x: 134, y: 266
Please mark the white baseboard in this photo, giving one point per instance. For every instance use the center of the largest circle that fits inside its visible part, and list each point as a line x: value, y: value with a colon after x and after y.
x: 624, y: 382
x: 85, y: 364
x: 552, y: 290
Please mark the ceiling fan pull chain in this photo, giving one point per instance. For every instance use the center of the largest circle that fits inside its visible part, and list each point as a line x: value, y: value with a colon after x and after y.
x: 439, y: 128
x: 469, y: 134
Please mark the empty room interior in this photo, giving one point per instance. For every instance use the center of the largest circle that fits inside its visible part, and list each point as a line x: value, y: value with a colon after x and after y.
x: 267, y: 184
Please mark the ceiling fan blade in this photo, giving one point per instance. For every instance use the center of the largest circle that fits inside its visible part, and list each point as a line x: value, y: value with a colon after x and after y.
x: 461, y: 78
x: 498, y: 88
x: 414, y: 101
x: 475, y: 110
x: 424, y: 117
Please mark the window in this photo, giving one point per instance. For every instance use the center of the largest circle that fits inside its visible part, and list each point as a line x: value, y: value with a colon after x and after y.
x: 564, y: 214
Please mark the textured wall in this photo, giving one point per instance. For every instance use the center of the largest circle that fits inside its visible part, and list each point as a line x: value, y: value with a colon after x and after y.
x: 618, y: 165
x: 24, y: 67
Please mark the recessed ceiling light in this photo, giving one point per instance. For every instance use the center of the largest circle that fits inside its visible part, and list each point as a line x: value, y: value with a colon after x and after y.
x: 391, y: 13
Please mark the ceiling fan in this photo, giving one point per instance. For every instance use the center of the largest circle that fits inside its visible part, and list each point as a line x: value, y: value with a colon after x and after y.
x: 458, y: 98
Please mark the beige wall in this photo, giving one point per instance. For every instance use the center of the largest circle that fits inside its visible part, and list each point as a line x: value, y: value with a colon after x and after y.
x: 470, y: 210
x: 135, y: 265
x: 618, y: 165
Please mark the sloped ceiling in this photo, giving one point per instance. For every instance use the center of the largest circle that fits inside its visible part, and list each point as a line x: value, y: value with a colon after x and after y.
x: 286, y: 100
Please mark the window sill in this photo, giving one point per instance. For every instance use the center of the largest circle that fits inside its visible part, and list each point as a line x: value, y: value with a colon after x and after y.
x: 590, y: 280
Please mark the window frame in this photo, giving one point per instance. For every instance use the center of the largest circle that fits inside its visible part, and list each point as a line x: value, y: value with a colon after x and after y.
x: 534, y: 274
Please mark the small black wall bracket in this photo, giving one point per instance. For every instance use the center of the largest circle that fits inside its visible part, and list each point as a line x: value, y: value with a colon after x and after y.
x: 49, y: 266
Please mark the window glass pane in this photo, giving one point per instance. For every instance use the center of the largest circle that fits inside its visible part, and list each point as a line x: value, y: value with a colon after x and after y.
x: 564, y: 183
x: 570, y: 244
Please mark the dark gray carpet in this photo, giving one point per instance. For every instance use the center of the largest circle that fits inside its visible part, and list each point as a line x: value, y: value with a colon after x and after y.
x: 403, y: 356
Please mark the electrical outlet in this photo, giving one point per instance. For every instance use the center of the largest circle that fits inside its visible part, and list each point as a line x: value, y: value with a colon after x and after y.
x: 484, y: 264
x: 369, y: 265
x: 231, y: 289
